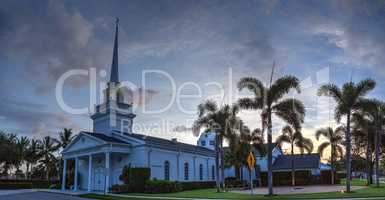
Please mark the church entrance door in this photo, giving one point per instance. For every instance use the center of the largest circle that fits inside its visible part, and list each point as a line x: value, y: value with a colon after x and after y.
x: 99, y: 179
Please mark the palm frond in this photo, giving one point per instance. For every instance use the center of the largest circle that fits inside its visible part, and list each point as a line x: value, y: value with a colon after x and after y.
x: 282, y: 86
x: 322, y: 147
x: 252, y: 84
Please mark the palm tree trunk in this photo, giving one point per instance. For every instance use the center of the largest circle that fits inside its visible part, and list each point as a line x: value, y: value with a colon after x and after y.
x: 292, y: 165
x: 222, y: 165
x: 348, y: 154
x: 377, y: 157
x: 27, y: 170
x: 269, y: 155
x: 368, y: 164
x: 332, y: 162
x: 217, y: 163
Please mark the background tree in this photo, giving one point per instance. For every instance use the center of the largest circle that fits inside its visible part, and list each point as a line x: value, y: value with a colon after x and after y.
x: 295, y: 139
x: 335, y: 142
x: 32, y: 155
x: 65, y: 138
x: 22, y: 144
x: 348, y: 99
x: 48, y: 159
x: 270, y: 100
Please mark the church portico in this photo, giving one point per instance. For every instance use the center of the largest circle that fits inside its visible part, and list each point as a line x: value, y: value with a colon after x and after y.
x: 94, y: 172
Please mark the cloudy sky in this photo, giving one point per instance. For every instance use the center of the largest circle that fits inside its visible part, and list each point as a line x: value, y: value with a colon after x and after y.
x: 209, y: 43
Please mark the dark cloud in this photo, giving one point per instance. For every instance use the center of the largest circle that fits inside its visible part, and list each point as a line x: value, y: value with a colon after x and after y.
x: 32, y: 118
x: 50, y: 39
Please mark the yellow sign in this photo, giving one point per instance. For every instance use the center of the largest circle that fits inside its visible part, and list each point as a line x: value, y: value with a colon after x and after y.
x: 250, y: 160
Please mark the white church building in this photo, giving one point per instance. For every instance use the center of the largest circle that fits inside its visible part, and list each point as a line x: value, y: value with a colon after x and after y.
x: 101, y: 155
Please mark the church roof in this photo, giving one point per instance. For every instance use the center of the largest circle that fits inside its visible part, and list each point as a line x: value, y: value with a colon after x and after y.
x: 173, y: 145
x: 305, y: 161
x: 105, y: 138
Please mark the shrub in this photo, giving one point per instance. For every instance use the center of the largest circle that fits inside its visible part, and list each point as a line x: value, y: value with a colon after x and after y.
x: 134, y: 180
x: 232, y: 182
x: 126, y: 188
x: 161, y: 186
x: 197, y: 185
x: 15, y: 185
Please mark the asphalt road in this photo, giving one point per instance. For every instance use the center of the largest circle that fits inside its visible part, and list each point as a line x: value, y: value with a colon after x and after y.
x: 40, y: 196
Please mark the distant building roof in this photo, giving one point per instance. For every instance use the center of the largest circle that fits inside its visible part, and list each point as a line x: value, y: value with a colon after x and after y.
x: 173, y: 145
x: 306, y: 161
x: 105, y: 138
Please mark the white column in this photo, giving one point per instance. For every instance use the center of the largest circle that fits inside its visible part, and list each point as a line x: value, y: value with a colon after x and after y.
x: 107, y: 183
x: 76, y: 174
x: 63, y: 181
x: 89, y: 172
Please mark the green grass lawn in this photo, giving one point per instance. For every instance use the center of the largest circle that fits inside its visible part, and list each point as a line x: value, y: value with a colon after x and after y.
x: 212, y: 194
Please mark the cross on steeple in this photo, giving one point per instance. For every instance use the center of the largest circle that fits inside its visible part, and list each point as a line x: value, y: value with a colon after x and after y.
x: 115, y: 65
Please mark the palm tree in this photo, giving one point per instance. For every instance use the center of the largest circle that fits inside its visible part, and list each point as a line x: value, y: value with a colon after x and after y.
x: 348, y: 99
x: 294, y: 138
x: 8, y: 153
x: 220, y: 120
x: 369, y: 120
x: 32, y: 155
x: 65, y: 138
x: 22, y: 144
x: 48, y: 147
x: 335, y: 141
x: 271, y: 101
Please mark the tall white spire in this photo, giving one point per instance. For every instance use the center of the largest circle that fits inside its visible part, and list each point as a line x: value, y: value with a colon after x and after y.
x: 115, y: 65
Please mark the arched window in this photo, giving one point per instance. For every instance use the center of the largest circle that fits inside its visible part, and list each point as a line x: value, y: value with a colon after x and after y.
x: 213, y: 172
x: 166, y: 170
x: 200, y: 172
x: 186, y: 171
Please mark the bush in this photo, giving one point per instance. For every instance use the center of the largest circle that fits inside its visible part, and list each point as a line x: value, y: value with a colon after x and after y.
x: 197, y: 185
x: 25, y: 184
x: 134, y: 180
x: 162, y: 186
x: 15, y: 185
x: 232, y: 182
x: 126, y: 188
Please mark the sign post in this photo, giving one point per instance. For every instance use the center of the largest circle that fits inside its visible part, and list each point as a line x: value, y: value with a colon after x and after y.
x: 250, y: 164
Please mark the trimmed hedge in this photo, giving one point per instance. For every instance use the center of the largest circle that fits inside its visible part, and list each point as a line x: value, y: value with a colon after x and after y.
x: 232, y: 182
x: 15, y: 185
x: 197, y: 185
x: 25, y: 184
x: 161, y: 186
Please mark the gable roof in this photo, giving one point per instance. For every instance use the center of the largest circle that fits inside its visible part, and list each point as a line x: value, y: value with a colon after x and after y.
x: 105, y: 138
x: 306, y: 161
x: 172, y: 145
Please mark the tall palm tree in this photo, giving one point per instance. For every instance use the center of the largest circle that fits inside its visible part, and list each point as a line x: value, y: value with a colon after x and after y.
x: 335, y: 141
x: 221, y: 120
x: 48, y: 147
x: 348, y: 99
x: 295, y: 139
x: 270, y: 100
x: 370, y: 118
x: 65, y: 138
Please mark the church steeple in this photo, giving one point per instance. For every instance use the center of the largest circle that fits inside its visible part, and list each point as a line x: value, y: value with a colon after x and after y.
x: 115, y: 66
